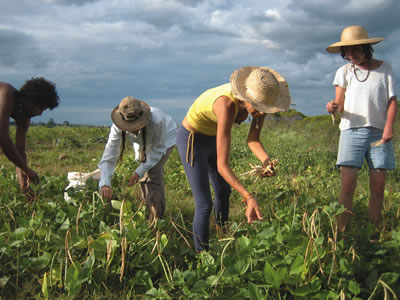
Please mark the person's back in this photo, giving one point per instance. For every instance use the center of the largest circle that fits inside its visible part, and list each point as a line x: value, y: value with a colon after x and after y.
x: 34, y: 97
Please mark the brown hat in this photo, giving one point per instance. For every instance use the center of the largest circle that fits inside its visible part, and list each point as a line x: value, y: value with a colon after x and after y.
x: 353, y: 35
x: 262, y: 87
x: 131, y: 114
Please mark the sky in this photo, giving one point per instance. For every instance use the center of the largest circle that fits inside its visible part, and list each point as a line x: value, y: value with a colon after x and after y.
x: 167, y: 52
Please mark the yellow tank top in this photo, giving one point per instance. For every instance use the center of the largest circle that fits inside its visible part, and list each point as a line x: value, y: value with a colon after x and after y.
x: 201, y: 116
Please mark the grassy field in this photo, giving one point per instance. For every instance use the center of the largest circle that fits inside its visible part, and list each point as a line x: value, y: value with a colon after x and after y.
x: 85, y: 248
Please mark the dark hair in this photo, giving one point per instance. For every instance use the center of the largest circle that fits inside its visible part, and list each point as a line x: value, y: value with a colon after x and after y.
x: 40, y: 92
x: 142, y: 153
x: 366, y: 49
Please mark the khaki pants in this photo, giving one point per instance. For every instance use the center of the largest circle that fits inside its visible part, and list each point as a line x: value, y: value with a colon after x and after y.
x: 152, y: 186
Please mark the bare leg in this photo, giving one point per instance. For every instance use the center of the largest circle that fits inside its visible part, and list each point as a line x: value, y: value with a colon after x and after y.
x: 349, y: 183
x: 377, y: 190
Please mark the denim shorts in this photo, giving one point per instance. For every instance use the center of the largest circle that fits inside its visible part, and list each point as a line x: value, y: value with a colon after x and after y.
x: 355, y: 145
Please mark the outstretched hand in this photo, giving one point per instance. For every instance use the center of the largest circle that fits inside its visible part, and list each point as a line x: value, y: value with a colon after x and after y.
x: 252, y: 211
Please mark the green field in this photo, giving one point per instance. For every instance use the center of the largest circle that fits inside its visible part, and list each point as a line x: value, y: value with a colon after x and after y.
x: 85, y: 248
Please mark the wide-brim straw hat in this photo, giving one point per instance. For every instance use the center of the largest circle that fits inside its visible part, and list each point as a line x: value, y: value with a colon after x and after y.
x: 262, y: 87
x: 353, y: 35
x: 131, y: 114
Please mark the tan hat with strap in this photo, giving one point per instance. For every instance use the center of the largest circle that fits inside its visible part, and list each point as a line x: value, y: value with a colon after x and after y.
x: 131, y: 114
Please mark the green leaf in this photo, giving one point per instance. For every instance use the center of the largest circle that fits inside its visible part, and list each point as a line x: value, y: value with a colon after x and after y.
x: 65, y: 225
x: 307, y: 290
x: 297, y: 266
x: 42, y: 261
x: 241, y: 266
x: 354, y: 287
x: 116, y: 204
x: 242, y: 244
x: 254, y: 292
x: 271, y: 276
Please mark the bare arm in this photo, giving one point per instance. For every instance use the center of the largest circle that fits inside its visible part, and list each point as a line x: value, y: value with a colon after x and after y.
x: 391, y: 117
x: 224, y: 108
x: 338, y: 105
x: 253, y: 139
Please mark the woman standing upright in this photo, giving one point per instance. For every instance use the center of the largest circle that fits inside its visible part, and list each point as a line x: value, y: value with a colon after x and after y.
x: 366, y: 97
x: 204, y: 141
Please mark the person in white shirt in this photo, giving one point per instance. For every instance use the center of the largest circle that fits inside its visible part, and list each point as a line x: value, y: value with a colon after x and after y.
x: 366, y: 96
x: 153, y: 136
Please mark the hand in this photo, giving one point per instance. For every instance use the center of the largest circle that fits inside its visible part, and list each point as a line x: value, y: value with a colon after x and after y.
x: 387, y: 134
x: 33, y: 177
x: 106, y: 192
x: 134, y: 179
x: 332, y: 107
x: 252, y: 211
x: 22, y: 180
x: 269, y: 168
x: 25, y: 178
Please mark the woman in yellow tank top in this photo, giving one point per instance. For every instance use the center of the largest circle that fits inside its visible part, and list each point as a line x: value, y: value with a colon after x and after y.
x: 204, y: 141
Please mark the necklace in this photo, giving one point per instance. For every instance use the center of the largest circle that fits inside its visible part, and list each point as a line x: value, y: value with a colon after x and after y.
x: 355, y: 73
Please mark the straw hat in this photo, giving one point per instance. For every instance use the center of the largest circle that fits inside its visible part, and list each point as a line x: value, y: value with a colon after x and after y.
x: 353, y: 35
x: 131, y: 114
x: 262, y: 87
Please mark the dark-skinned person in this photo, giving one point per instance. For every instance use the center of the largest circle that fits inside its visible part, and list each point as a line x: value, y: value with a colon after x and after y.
x: 365, y: 95
x: 204, y: 142
x: 30, y: 100
x: 152, y: 133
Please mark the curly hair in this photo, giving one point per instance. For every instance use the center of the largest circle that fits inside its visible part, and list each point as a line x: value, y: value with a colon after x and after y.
x: 366, y: 48
x: 41, y: 92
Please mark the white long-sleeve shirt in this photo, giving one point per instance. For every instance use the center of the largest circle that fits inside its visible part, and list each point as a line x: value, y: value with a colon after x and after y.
x: 160, y: 135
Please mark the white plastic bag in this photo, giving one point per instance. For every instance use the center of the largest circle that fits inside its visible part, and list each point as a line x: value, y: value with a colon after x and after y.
x: 78, y: 180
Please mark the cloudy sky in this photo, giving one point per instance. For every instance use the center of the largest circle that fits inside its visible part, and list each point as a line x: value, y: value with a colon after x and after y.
x: 167, y: 52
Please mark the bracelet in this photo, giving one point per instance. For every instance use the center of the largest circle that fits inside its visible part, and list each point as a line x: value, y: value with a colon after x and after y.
x: 247, y: 197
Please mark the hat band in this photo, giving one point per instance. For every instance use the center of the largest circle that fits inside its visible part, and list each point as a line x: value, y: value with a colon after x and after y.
x: 132, y: 117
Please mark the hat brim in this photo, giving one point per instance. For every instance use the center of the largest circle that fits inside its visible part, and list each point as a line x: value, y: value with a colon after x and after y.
x: 131, y: 126
x: 335, y: 47
x: 238, y: 84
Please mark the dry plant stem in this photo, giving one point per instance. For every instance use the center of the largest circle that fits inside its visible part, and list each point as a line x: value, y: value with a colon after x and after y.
x: 123, y: 255
x: 77, y: 219
x: 108, y: 257
x: 311, y: 233
x: 152, y: 216
x: 378, y: 143
x: 67, y: 251
x: 10, y: 212
x: 273, y: 212
x: 333, y: 115
x: 385, y: 289
x: 121, y: 215
x: 263, y: 171
x: 177, y: 229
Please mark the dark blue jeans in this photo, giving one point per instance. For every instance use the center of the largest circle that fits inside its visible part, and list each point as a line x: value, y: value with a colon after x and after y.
x: 199, y: 174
